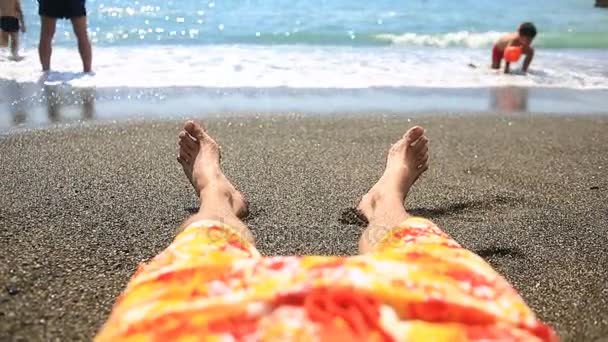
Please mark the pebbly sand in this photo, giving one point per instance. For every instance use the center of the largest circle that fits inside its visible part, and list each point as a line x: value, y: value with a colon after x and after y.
x: 81, y: 206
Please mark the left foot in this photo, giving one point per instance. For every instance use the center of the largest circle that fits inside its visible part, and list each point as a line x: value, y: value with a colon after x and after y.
x: 199, y: 155
x: 16, y: 58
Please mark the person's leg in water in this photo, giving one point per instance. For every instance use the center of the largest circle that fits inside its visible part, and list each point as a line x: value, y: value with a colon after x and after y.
x: 9, y: 27
x: 496, y: 57
x: 79, y: 24
x: 15, y: 45
x: 3, y: 39
x: 199, y: 156
x: 47, y: 31
x: 383, y: 206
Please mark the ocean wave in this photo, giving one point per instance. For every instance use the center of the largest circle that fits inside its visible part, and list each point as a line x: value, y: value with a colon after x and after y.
x: 563, y: 40
x: 546, y: 40
x: 242, y: 66
x: 573, y: 40
x: 460, y: 39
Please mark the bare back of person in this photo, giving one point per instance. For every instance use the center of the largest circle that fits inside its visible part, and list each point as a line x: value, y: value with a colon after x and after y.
x: 9, y: 8
x: 521, y: 38
x: 509, y: 39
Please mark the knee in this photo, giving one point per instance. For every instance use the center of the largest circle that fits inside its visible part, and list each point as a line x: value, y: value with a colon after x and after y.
x: 83, y: 40
x: 80, y: 30
x: 46, y: 37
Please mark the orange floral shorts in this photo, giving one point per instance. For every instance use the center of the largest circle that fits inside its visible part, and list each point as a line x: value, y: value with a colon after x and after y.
x: 418, y: 284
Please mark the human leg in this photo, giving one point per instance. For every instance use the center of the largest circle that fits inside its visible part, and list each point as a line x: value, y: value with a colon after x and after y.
x: 199, y: 156
x: 496, y: 57
x: 202, y: 256
x: 3, y: 39
x: 79, y: 24
x: 383, y: 205
x: 9, y: 26
x: 47, y: 31
x: 14, y: 44
x: 433, y: 280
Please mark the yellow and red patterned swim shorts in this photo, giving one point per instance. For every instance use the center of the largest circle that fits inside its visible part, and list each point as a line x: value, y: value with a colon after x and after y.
x: 417, y: 285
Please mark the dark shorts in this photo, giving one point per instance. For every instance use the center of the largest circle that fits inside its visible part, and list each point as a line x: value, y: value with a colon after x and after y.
x: 9, y: 24
x: 67, y: 9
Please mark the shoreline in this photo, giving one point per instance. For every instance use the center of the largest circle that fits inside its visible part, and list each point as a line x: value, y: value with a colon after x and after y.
x: 32, y: 105
x: 82, y: 206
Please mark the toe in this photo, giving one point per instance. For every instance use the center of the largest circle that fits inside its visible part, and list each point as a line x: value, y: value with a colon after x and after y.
x: 421, y: 145
x: 186, y: 147
x: 424, y: 161
x: 191, y: 142
x: 413, y: 134
x: 184, y: 155
x: 195, y: 130
x: 422, y: 151
x: 188, y: 143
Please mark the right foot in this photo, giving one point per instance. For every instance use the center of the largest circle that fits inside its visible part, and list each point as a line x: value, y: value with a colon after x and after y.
x: 407, y: 160
x: 199, y: 156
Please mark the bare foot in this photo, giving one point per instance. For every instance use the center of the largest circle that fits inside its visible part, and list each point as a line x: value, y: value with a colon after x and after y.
x: 199, y: 156
x: 407, y: 160
x: 16, y: 58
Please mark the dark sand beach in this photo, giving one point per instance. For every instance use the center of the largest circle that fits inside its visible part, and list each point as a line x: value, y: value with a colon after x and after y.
x: 81, y: 206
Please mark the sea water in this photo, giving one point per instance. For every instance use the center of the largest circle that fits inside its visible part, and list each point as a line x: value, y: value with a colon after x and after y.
x: 325, y: 43
x: 319, y: 45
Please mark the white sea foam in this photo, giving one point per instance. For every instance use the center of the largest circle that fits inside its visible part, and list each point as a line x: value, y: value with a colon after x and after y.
x: 305, y: 67
x: 462, y: 38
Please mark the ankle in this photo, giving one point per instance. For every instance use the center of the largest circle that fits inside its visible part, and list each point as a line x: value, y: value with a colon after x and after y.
x: 216, y: 192
x: 374, y: 204
x: 386, y: 196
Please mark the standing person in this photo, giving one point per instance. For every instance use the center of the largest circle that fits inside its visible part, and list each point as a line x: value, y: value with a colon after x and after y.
x: 11, y: 21
x: 50, y: 11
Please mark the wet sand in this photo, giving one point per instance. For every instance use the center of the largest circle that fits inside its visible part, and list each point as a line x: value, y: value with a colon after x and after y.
x: 34, y: 105
x: 81, y: 206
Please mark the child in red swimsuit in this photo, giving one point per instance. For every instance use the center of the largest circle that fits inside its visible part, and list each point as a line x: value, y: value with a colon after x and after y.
x: 523, y: 37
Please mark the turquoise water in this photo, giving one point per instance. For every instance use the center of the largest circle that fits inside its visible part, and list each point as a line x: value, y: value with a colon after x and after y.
x: 562, y: 23
x: 316, y: 56
x: 316, y: 44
